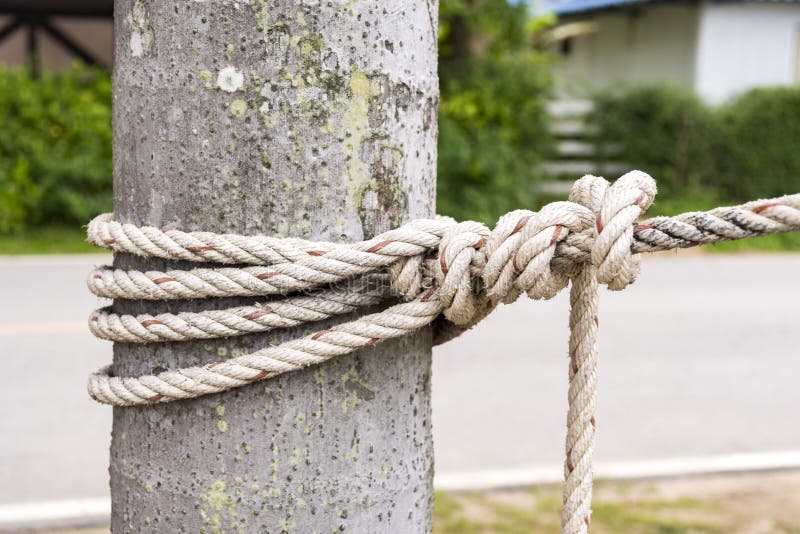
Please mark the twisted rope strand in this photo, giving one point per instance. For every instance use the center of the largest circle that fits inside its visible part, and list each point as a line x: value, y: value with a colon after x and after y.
x: 298, y: 265
x: 756, y: 218
x: 753, y: 219
x: 216, y: 377
x: 207, y: 247
x: 287, y: 313
x: 204, y: 282
x: 583, y: 323
x: 448, y: 272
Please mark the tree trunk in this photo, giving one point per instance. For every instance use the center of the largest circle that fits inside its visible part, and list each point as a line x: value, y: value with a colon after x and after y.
x: 314, y: 119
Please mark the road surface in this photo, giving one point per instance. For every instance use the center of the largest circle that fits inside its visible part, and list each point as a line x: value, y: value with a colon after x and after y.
x: 698, y: 358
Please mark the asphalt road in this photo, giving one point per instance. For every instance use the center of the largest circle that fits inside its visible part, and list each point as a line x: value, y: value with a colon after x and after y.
x: 699, y: 357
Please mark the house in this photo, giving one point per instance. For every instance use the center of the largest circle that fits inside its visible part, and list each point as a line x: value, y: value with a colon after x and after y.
x: 719, y: 48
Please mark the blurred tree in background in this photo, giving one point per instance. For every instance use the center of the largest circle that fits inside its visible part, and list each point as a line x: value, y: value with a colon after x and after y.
x: 493, y: 124
x: 758, y: 145
x: 55, y: 147
x: 664, y: 130
x: 742, y: 150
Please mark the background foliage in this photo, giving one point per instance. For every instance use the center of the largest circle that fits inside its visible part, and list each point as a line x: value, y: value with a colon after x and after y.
x: 758, y: 148
x: 742, y: 150
x: 661, y: 129
x: 492, y: 133
x: 493, y: 124
x: 55, y: 151
x: 55, y: 147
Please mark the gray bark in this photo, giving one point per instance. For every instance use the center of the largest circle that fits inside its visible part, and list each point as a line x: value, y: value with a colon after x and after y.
x: 329, y: 134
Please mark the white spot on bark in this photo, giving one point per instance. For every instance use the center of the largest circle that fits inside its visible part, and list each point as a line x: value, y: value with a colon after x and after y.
x: 230, y: 79
x: 136, y: 44
x: 141, y: 33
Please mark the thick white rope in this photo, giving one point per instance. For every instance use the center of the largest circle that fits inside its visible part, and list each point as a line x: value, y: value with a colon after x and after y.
x: 286, y: 313
x: 396, y: 321
x: 583, y: 322
x: 296, y: 265
x: 460, y: 271
x: 616, y: 208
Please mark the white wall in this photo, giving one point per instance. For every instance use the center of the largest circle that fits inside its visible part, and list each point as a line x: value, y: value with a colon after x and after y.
x: 650, y: 43
x: 741, y: 46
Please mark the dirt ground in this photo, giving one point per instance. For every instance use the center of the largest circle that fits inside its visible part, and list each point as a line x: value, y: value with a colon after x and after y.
x: 752, y: 503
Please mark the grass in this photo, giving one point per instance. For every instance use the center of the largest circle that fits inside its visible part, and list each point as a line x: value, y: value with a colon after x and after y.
x: 716, y: 504
x: 770, y: 243
x: 46, y: 240
x: 538, y: 510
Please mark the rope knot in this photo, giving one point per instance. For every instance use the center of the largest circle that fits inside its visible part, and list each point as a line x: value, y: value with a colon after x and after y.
x: 616, y: 207
x: 521, y: 248
x: 459, y: 262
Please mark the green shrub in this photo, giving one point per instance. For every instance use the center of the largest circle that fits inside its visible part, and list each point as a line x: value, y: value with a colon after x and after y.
x: 742, y: 150
x: 493, y: 126
x: 55, y: 147
x: 493, y: 130
x: 17, y: 194
x: 663, y: 130
x: 758, y: 149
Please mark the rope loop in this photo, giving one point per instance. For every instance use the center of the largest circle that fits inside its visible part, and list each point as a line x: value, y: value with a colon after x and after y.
x: 616, y: 208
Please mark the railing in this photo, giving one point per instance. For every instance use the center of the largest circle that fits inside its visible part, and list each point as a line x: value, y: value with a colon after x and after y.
x: 578, y: 151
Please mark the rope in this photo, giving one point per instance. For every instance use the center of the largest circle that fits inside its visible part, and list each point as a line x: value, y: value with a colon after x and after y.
x: 576, y: 513
x: 298, y: 265
x: 439, y: 267
x: 294, y: 311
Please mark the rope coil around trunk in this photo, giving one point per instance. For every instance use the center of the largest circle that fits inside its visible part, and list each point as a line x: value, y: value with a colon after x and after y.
x: 448, y: 272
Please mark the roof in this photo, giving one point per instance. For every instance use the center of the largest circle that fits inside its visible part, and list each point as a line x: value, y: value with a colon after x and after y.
x: 571, y: 7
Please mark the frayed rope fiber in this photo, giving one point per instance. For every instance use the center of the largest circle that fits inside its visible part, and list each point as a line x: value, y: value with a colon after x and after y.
x: 447, y: 273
